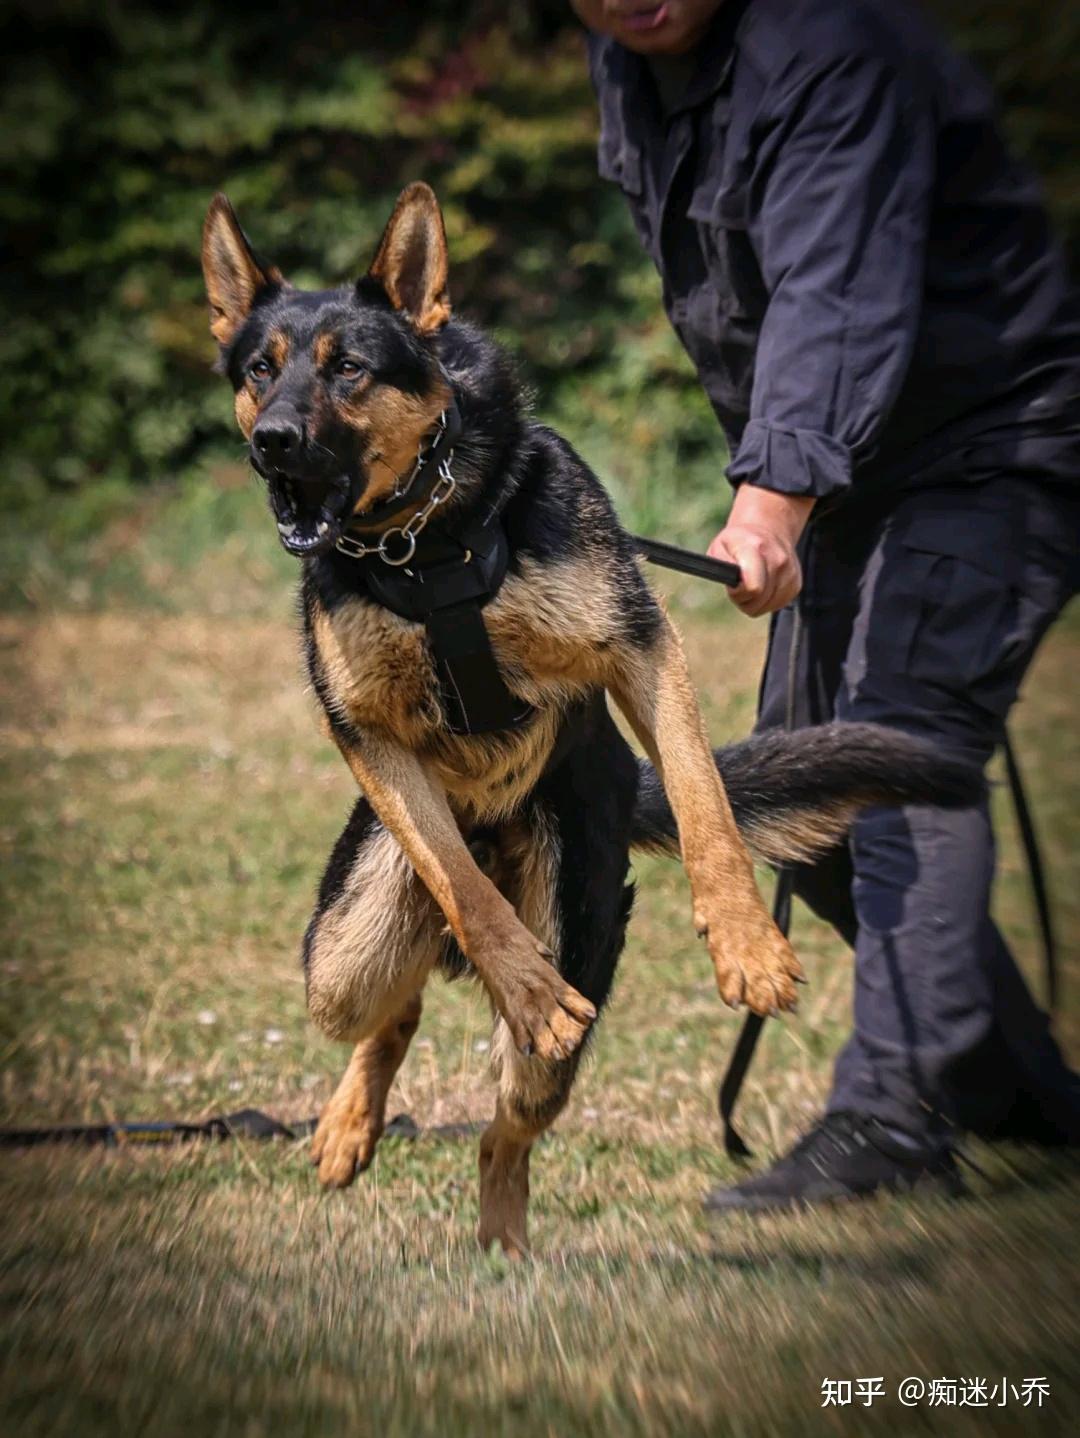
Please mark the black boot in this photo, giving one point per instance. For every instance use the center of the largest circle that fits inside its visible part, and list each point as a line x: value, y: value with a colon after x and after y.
x: 844, y: 1156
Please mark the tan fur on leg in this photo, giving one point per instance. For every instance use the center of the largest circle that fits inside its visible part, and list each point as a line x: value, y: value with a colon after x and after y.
x: 753, y: 961
x: 545, y: 1014
x: 352, y: 1122
x: 532, y: 1094
x: 504, y: 1185
x: 374, y: 946
x: 533, y: 1090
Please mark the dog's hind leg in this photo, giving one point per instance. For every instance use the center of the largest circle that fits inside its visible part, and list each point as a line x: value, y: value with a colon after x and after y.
x: 532, y: 1090
x: 370, y: 945
x: 569, y: 884
x: 352, y: 1122
x: 531, y: 1094
x: 374, y: 936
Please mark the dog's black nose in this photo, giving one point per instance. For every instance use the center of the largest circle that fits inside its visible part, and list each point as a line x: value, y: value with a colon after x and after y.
x: 277, y: 441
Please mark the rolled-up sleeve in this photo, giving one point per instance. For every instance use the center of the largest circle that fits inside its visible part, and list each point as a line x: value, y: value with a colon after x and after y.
x: 839, y: 228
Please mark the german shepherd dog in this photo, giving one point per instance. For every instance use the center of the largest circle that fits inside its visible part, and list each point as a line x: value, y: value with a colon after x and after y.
x: 505, y: 851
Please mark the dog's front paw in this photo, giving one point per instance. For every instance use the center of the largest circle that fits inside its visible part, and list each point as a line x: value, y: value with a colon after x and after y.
x: 545, y: 1015
x: 344, y: 1144
x: 755, y: 965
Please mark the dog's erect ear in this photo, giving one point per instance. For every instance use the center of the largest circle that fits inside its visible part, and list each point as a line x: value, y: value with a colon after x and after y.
x: 233, y: 274
x: 411, y: 261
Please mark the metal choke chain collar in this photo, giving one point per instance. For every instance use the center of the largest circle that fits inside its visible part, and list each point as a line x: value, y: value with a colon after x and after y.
x: 407, y: 534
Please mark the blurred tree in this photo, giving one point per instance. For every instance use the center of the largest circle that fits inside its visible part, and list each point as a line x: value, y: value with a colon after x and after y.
x: 120, y: 120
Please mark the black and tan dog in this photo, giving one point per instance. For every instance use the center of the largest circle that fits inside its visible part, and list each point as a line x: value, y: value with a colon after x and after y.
x: 388, y: 432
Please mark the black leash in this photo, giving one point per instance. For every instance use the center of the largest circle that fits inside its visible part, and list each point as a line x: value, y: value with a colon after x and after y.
x: 687, y: 561
x: 1037, y: 874
x: 245, y: 1123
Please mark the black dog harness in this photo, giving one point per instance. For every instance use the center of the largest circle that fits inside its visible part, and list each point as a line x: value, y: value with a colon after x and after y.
x: 442, y: 576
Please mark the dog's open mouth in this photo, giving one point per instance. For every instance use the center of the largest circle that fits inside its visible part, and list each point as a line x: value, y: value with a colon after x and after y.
x: 311, y: 513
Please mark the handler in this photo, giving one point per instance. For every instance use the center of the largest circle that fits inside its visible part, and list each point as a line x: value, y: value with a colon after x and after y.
x: 866, y: 282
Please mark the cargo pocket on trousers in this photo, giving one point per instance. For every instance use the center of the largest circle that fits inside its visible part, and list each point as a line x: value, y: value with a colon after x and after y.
x: 969, y: 639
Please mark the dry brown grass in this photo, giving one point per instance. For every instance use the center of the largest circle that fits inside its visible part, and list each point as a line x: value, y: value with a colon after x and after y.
x: 168, y: 804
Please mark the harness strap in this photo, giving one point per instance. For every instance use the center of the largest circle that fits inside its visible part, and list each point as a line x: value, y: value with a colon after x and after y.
x: 454, y: 575
x: 474, y: 693
x: 453, y: 570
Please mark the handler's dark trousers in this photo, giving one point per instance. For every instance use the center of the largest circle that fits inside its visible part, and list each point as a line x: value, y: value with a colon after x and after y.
x: 925, y: 616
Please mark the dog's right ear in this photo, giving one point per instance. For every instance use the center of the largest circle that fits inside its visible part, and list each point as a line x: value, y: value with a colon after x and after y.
x: 411, y: 262
x: 233, y: 274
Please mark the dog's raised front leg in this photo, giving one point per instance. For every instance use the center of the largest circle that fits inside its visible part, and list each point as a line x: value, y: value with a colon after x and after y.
x: 545, y: 1015
x: 754, y: 962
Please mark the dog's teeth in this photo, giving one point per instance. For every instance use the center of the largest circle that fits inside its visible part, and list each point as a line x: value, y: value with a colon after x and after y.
x: 287, y: 530
x: 322, y: 526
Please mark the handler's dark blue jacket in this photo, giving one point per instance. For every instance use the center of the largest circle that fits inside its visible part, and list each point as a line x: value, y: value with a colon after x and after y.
x: 863, y: 276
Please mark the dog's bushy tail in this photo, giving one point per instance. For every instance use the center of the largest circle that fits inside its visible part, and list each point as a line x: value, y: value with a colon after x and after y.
x: 795, y: 794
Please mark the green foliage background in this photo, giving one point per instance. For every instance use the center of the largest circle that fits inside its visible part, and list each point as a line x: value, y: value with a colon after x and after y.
x: 119, y: 121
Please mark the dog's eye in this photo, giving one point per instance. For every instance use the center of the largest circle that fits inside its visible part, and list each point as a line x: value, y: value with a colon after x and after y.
x: 259, y: 370
x: 349, y: 369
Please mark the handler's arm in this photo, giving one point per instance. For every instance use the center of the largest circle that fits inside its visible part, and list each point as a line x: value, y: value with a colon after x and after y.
x: 840, y: 236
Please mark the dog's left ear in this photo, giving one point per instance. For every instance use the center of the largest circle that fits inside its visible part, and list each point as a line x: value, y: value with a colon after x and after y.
x: 233, y: 274
x: 411, y: 262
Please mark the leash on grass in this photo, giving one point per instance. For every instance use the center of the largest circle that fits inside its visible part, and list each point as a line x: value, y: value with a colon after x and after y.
x: 244, y: 1123
x: 250, y: 1123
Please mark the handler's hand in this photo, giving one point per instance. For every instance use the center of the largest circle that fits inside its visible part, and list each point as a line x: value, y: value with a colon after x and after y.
x: 760, y: 537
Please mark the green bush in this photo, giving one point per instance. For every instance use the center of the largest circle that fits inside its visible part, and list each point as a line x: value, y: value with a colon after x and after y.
x: 119, y: 122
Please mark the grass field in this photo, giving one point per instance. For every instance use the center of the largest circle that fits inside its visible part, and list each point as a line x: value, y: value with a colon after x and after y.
x: 167, y: 806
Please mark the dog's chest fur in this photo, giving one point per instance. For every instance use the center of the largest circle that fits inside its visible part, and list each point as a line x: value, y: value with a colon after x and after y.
x: 555, y: 630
